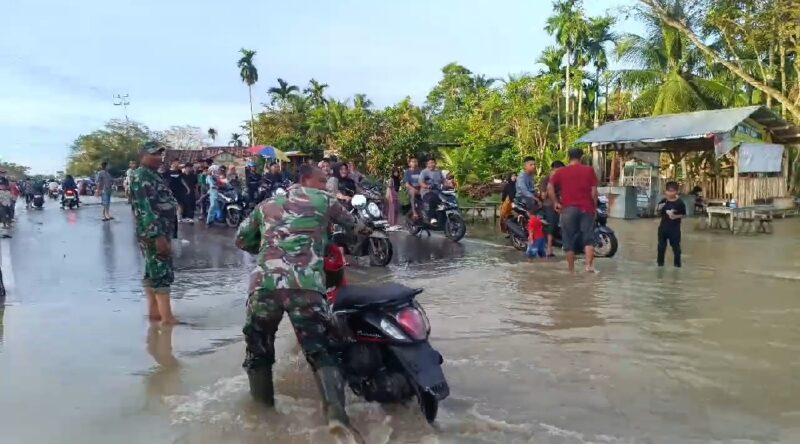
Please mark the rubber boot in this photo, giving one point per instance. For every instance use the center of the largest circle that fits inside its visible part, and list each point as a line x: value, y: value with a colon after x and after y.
x: 261, y: 385
x: 331, y: 387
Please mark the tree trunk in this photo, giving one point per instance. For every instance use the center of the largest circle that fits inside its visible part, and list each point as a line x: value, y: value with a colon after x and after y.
x: 558, y: 115
x: 567, y: 87
x: 252, y: 126
x: 782, y: 55
x: 579, y: 119
x: 771, y: 92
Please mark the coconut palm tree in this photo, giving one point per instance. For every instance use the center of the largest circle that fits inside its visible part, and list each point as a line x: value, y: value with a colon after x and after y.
x: 212, y: 133
x: 249, y: 75
x: 236, y: 140
x: 669, y: 78
x: 551, y: 58
x: 316, y: 92
x: 570, y: 28
x: 599, y: 34
x: 280, y: 94
x: 360, y: 101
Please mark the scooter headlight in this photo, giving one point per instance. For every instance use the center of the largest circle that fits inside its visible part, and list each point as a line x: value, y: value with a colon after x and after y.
x: 373, y: 210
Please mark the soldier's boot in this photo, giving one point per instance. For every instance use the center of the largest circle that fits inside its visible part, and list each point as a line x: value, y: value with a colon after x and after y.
x: 331, y: 387
x: 261, y: 388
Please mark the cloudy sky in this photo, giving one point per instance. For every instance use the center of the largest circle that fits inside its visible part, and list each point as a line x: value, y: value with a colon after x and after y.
x: 61, y: 62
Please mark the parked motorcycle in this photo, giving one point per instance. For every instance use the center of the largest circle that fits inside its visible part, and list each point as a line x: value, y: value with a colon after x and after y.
x: 380, y: 341
x: 448, y: 216
x: 605, y: 240
x: 377, y: 244
x: 69, y: 200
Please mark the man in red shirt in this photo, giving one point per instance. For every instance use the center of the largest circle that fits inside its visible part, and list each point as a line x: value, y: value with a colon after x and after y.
x: 576, y: 201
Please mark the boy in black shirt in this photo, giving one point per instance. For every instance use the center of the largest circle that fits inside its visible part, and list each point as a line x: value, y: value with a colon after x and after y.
x: 672, y: 210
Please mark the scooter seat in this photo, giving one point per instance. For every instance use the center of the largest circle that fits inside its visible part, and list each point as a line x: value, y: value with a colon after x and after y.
x: 352, y: 296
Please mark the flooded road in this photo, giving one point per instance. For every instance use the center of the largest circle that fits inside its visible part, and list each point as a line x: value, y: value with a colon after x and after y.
x: 708, y: 353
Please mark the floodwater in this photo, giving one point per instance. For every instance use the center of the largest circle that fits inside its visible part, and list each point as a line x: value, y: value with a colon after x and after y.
x: 634, y: 354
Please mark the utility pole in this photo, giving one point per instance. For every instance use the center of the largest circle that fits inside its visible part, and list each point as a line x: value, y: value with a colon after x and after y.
x: 122, y: 100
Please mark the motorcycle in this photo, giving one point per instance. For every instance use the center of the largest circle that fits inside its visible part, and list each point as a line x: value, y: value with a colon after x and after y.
x: 377, y: 245
x: 605, y: 240
x: 53, y: 194
x: 232, y: 204
x: 38, y: 201
x: 380, y: 341
x: 454, y: 227
x: 69, y: 200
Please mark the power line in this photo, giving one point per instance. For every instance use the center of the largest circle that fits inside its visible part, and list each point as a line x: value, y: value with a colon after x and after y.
x: 122, y: 100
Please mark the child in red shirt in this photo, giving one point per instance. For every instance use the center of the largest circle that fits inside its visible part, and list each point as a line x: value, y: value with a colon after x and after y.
x: 536, y: 239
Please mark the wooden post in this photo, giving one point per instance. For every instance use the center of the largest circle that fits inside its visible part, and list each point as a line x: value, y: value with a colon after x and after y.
x: 735, y: 193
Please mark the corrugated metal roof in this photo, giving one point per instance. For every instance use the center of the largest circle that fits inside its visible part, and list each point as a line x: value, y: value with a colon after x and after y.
x: 670, y: 126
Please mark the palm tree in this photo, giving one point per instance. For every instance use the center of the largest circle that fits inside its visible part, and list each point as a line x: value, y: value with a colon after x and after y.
x: 551, y: 58
x: 360, y: 101
x: 212, y: 133
x: 316, y: 92
x: 599, y: 33
x: 249, y: 75
x: 482, y: 82
x: 570, y: 28
x: 280, y: 94
x: 669, y: 78
x: 236, y: 140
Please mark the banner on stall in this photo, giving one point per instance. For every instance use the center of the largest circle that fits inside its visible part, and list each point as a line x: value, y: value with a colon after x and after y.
x: 760, y: 158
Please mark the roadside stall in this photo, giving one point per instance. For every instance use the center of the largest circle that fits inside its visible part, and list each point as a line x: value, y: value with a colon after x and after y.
x: 738, y: 159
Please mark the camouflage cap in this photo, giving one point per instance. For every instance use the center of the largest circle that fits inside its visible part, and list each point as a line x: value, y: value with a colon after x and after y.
x: 152, y: 147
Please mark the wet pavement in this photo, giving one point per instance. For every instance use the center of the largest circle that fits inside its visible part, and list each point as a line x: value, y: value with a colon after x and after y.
x: 708, y: 353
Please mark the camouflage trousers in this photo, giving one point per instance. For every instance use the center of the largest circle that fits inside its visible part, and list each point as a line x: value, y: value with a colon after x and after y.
x: 158, y: 273
x: 307, y: 311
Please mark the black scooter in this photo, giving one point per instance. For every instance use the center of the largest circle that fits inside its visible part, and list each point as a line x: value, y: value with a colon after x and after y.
x: 380, y: 341
x: 448, y: 216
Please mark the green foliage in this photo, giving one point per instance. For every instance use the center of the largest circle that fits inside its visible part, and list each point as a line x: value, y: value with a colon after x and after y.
x: 117, y: 143
x: 14, y: 171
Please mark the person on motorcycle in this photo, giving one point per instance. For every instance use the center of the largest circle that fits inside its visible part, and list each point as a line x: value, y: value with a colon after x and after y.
x: 526, y: 186
x: 577, y: 203
x: 252, y: 181
x: 289, y: 233
x: 128, y: 177
x: 340, y: 184
x: 411, y: 181
x: 69, y: 184
x: 550, y: 215
x: 37, y: 188
x: 430, y: 181
x: 212, y: 184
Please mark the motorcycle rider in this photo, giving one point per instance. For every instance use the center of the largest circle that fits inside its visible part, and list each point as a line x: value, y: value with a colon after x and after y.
x: 69, y: 184
x: 252, y: 181
x: 526, y: 186
x: 288, y: 233
x: 430, y: 178
x: 37, y: 187
x: 340, y: 184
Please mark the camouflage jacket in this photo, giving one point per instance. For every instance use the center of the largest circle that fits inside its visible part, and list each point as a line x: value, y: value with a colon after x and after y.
x: 289, y: 234
x: 154, y: 206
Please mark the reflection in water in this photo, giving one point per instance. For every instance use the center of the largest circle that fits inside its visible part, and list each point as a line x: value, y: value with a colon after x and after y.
x: 108, y: 251
x: 2, y: 313
x: 165, y: 378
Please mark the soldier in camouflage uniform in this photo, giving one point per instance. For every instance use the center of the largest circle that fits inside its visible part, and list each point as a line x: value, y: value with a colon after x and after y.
x: 154, y: 208
x: 289, y: 235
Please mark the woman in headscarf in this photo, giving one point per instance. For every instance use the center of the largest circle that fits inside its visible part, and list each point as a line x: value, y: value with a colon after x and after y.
x: 392, y: 197
x: 340, y: 184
